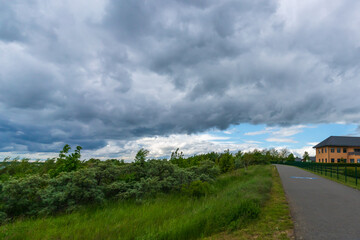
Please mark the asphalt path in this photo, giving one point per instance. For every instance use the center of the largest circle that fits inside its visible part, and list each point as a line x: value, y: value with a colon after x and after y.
x: 320, y: 208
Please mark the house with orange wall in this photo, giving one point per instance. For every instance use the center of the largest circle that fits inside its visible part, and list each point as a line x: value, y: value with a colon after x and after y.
x: 338, y: 149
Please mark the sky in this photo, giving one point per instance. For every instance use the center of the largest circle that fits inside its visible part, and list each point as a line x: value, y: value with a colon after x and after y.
x: 205, y: 75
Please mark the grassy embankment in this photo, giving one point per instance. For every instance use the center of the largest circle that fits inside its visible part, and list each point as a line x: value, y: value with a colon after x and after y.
x: 338, y: 175
x: 274, y: 221
x: 234, y: 202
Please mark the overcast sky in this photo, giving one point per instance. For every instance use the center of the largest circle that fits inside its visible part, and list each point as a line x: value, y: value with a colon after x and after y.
x: 114, y: 76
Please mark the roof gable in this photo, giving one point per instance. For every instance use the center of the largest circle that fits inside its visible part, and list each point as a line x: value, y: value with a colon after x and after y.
x: 340, y: 141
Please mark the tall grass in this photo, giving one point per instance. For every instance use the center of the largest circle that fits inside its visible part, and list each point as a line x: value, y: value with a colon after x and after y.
x: 234, y: 200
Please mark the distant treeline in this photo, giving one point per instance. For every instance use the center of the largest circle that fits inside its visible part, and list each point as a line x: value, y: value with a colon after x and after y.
x: 65, y: 183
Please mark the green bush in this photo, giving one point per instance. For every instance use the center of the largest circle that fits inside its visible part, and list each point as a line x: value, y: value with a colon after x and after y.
x: 39, y: 194
x: 66, y: 163
x: 196, y: 189
x: 69, y: 190
x: 22, y: 196
x: 350, y: 171
x: 3, y: 217
x: 226, y: 162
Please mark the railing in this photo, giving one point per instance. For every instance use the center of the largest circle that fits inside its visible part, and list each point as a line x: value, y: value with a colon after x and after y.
x: 347, y: 172
x: 354, y: 153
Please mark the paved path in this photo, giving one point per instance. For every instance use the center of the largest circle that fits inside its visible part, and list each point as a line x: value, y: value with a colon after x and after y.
x: 321, y: 208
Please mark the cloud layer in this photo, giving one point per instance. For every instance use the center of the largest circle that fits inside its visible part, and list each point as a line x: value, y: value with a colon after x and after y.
x: 92, y: 72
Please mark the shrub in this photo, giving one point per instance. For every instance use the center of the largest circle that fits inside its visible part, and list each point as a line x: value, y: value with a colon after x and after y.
x: 22, y: 196
x: 71, y: 189
x: 226, y: 162
x: 196, y: 189
x: 350, y: 171
x: 67, y: 163
x: 3, y: 217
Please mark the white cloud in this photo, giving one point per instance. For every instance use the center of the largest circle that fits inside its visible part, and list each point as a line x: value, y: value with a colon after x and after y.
x: 162, y: 146
x: 267, y: 130
x: 300, y: 151
x: 289, y: 131
x: 280, y: 134
x: 281, y: 140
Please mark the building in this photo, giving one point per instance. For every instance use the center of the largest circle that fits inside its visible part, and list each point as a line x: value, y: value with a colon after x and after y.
x: 336, y: 149
x: 311, y: 159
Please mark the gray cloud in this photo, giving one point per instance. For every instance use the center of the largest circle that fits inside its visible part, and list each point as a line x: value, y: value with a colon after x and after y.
x: 89, y: 72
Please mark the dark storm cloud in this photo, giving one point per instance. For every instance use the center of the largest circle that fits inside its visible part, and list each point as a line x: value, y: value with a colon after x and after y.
x: 87, y: 72
x: 9, y: 30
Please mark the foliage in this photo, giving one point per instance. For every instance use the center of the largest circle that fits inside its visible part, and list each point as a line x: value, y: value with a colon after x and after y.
x: 141, y: 156
x: 234, y: 200
x: 274, y: 221
x: 306, y: 156
x: 65, y: 183
x: 226, y: 162
x: 22, y: 196
x: 40, y: 194
x: 196, y: 188
x: 290, y: 158
x: 66, y: 163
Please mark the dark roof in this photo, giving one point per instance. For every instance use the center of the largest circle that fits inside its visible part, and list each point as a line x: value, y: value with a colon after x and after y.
x: 338, y: 141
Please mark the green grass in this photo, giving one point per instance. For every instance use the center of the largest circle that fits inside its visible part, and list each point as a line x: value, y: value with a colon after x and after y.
x: 274, y: 221
x: 234, y: 201
x: 340, y: 177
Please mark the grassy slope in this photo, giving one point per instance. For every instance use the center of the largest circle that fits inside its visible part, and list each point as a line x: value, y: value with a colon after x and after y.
x: 274, y: 221
x: 348, y: 181
x: 235, y: 199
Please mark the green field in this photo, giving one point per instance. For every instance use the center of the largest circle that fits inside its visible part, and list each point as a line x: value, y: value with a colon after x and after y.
x: 235, y: 200
x: 274, y: 221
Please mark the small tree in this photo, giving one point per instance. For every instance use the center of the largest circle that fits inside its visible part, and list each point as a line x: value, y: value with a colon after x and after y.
x: 178, y: 158
x: 226, y: 162
x: 306, y: 157
x: 247, y: 160
x: 290, y: 158
x: 237, y: 161
x: 141, y: 156
x: 67, y: 163
x: 284, y: 153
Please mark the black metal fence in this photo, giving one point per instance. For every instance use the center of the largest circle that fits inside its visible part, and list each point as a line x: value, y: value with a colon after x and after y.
x: 349, y: 173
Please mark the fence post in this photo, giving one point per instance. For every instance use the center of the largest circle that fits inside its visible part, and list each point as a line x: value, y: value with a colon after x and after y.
x: 356, y: 175
x: 331, y: 169
x: 345, y: 174
x: 321, y: 169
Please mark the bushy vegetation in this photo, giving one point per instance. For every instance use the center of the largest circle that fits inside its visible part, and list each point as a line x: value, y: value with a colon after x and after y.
x: 352, y: 172
x: 231, y: 201
x: 66, y: 183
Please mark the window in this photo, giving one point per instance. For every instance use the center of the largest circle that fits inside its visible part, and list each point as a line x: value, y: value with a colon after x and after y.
x: 319, y: 150
x: 344, y: 150
x: 338, y: 150
x: 322, y: 150
x: 338, y: 160
x: 356, y: 149
x: 358, y: 160
x: 326, y: 160
x: 325, y: 150
x: 332, y: 150
x: 332, y: 160
x: 352, y: 160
